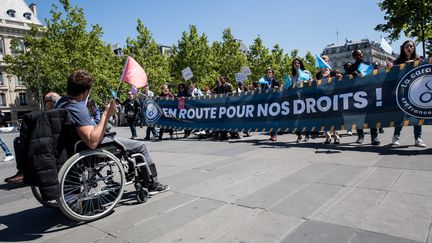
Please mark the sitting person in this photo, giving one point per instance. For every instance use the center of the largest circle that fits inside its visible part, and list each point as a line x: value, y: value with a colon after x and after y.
x: 79, y: 84
x: 50, y: 99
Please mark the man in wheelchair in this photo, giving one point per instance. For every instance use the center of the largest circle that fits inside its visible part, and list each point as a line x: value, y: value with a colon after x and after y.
x: 78, y: 89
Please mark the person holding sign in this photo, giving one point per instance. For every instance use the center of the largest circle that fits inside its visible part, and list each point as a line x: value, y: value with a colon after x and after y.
x: 407, y: 55
x: 353, y: 70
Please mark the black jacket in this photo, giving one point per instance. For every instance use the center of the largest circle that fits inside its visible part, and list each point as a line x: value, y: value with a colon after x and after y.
x: 46, y: 142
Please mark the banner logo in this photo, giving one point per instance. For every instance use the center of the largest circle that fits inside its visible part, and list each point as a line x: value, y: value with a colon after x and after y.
x: 152, y: 111
x: 414, y: 92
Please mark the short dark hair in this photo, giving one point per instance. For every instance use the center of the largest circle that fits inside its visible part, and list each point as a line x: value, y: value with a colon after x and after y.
x: 78, y: 82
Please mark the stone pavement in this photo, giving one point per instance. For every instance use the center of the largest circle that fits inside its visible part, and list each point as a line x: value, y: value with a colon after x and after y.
x: 253, y: 190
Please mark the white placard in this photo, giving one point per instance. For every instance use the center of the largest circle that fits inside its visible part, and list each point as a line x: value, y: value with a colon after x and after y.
x: 246, y: 71
x: 240, y: 77
x: 187, y: 73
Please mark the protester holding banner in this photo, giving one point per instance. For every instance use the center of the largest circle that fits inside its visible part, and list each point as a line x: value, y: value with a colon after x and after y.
x: 165, y: 93
x: 300, y: 76
x: 354, y: 70
x: 132, y: 109
x: 269, y: 82
x: 408, y: 55
x: 147, y: 94
x: 183, y: 93
x: 223, y: 87
x: 325, y: 73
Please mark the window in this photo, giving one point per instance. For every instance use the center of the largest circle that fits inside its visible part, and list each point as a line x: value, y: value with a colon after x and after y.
x: 1, y: 47
x: 27, y: 15
x: 23, y: 99
x: 17, y: 46
x: 1, y: 79
x: 11, y: 13
x: 20, y: 81
x: 2, y: 99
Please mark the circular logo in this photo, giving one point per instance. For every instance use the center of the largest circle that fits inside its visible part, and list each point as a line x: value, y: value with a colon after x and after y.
x: 414, y: 92
x: 152, y: 111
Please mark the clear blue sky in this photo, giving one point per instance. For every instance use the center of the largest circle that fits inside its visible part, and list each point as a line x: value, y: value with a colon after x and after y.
x: 306, y: 25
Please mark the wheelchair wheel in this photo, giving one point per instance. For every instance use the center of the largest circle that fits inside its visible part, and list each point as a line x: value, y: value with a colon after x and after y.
x: 37, y: 195
x: 91, y: 185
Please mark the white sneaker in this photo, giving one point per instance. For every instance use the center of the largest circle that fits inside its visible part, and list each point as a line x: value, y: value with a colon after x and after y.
x: 8, y: 158
x: 349, y: 133
x: 420, y: 143
x: 395, y: 141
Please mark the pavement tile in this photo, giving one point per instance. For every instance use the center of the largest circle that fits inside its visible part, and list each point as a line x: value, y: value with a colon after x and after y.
x: 380, y: 178
x: 403, y: 215
x: 372, y: 237
x: 266, y: 227
x: 342, y: 213
x: 212, y: 225
x: 306, y: 200
x: 414, y: 181
x: 137, y: 213
x: 319, y: 232
x: 168, y: 221
x: 342, y: 175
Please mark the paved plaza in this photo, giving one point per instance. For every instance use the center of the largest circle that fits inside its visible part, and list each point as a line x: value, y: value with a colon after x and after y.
x: 253, y: 190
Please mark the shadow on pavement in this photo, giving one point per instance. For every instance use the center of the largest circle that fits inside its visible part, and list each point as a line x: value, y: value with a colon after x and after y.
x: 32, y: 224
x: 332, y: 148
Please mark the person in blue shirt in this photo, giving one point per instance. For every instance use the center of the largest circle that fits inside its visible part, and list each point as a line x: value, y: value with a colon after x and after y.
x: 78, y: 88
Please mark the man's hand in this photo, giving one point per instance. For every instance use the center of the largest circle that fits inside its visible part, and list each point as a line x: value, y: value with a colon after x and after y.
x: 111, y: 109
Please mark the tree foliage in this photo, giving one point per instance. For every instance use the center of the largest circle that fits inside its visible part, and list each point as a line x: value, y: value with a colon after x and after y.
x: 193, y: 51
x: 62, y: 46
x: 259, y: 59
x: 146, y: 52
x: 227, y: 56
x: 412, y: 17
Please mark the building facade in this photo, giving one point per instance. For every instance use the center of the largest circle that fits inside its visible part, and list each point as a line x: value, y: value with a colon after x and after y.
x: 16, y: 19
x: 340, y: 54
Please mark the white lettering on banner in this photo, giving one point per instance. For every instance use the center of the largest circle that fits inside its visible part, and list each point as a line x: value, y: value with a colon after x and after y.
x: 323, y: 104
x: 361, y: 101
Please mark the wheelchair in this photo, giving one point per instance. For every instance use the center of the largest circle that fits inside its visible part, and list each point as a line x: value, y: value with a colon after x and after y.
x: 92, y: 181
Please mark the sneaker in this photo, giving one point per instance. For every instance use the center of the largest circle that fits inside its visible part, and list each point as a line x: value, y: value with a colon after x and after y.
x: 299, y: 139
x: 158, y: 188
x: 395, y: 141
x: 349, y: 133
x: 8, y: 158
x: 305, y: 140
x: 381, y: 130
x: 360, y: 140
x: 420, y: 143
x: 375, y: 141
x: 273, y: 138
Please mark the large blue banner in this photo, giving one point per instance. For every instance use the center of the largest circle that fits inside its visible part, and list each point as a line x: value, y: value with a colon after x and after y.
x: 398, y: 96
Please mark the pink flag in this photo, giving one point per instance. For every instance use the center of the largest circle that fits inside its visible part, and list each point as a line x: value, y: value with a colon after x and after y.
x: 134, y: 74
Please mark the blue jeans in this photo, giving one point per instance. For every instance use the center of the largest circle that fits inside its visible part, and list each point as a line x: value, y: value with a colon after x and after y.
x: 5, y: 148
x: 417, y: 131
x: 132, y: 125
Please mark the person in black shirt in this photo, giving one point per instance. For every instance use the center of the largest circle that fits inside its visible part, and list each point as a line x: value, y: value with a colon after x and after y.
x: 353, y: 70
x: 132, y: 109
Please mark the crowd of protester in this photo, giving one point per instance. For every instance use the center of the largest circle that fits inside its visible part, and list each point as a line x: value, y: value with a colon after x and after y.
x: 132, y: 108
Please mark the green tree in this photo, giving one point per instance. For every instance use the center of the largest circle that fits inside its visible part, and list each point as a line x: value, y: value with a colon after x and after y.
x: 193, y: 51
x: 412, y: 17
x: 146, y: 52
x: 227, y: 57
x: 280, y: 63
x: 259, y: 59
x: 61, y: 47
